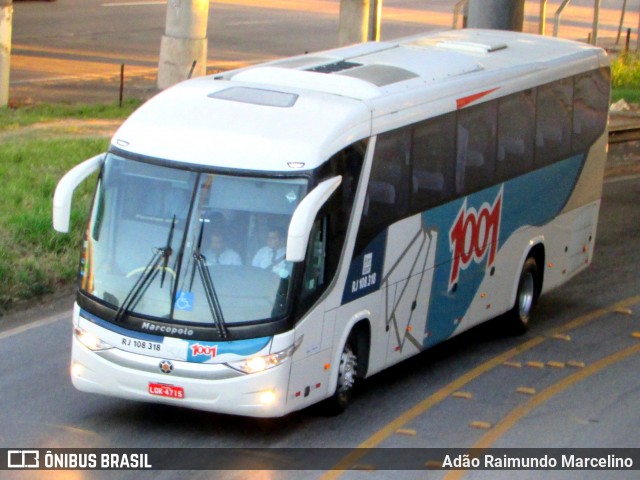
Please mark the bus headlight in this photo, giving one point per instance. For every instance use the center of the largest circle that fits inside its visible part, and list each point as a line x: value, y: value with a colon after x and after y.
x: 89, y: 340
x: 265, y: 362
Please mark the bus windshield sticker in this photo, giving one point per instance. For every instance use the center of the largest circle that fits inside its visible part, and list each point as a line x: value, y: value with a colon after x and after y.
x: 184, y: 301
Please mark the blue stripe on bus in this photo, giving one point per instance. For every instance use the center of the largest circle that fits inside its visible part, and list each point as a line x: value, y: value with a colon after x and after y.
x: 530, y: 200
x: 200, y: 351
x: 122, y: 331
x: 238, y: 347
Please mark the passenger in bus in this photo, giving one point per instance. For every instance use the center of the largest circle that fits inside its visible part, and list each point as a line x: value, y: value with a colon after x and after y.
x: 272, y: 255
x: 218, y: 253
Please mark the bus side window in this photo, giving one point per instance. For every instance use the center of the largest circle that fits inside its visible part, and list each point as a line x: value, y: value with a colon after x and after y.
x: 476, y: 147
x: 591, y: 103
x: 516, y: 127
x: 432, y: 153
x: 314, y: 269
x: 387, y: 193
x: 553, y: 121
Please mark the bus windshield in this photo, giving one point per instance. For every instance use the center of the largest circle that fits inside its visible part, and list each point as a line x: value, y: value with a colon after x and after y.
x: 186, y: 246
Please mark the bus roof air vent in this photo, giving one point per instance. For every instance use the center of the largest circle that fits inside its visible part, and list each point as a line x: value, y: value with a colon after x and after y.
x: 256, y: 96
x: 279, y: 77
x: 380, y: 75
x: 334, y: 67
x: 303, y: 61
x: 471, y: 47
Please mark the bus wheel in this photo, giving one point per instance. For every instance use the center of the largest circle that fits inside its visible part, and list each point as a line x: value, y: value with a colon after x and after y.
x: 520, y: 315
x: 347, y: 372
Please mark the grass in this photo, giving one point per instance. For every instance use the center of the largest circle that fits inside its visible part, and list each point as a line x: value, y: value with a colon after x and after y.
x: 625, y: 77
x: 30, y: 114
x: 35, y: 259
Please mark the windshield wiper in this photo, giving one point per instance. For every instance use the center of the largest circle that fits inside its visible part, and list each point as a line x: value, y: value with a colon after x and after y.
x: 210, y: 291
x: 148, y: 275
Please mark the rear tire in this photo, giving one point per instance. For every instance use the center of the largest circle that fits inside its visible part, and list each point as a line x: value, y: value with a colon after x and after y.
x: 519, y: 318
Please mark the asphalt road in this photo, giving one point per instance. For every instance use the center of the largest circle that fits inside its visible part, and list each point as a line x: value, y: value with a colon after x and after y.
x: 570, y: 382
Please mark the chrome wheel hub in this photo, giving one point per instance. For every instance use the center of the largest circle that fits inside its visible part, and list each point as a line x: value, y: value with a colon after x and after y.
x: 348, y: 369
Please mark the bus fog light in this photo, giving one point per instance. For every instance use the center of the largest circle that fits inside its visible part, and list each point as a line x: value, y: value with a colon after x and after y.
x: 89, y: 340
x: 267, y: 397
x: 77, y: 369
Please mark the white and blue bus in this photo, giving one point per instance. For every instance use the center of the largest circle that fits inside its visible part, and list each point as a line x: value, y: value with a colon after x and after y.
x: 262, y: 239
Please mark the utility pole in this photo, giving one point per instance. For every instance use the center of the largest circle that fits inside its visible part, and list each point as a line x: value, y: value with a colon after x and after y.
x: 183, y: 49
x: 359, y: 21
x: 596, y: 21
x: 6, y: 18
x: 496, y: 14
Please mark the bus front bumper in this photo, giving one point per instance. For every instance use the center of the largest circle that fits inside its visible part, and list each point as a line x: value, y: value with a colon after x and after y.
x: 214, y: 387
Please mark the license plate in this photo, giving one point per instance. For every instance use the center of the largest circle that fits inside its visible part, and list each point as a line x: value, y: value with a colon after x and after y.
x: 165, y: 390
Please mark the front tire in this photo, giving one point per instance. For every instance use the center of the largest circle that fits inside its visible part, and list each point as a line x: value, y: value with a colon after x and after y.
x: 347, y: 373
x: 519, y: 318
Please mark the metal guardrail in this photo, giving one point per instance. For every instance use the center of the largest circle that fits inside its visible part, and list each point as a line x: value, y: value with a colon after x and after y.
x: 624, y: 133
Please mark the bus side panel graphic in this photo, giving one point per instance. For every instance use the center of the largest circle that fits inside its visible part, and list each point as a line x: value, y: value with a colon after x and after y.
x: 492, y: 215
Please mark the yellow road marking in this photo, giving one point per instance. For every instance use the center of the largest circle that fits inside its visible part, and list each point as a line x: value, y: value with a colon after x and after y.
x: 535, y: 364
x: 556, y: 364
x: 437, y: 397
x: 575, y: 364
x: 465, y: 395
x: 526, y: 390
x: 624, y: 311
x: 433, y: 464
x: 480, y: 425
x: 364, y: 467
x: 75, y: 68
x: 319, y: 7
x: 407, y: 431
x: 85, y: 53
x: 521, y: 411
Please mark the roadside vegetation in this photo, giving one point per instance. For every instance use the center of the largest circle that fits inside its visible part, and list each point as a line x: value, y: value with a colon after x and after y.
x: 625, y: 77
x: 34, y: 259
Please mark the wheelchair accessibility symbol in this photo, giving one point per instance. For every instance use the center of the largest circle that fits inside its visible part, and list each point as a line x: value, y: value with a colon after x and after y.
x: 184, y: 301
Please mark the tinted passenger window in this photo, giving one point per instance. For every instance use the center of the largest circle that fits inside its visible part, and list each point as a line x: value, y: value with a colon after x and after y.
x: 433, y: 153
x: 516, y: 128
x: 591, y: 103
x: 476, y: 148
x: 553, y: 122
x: 387, y: 194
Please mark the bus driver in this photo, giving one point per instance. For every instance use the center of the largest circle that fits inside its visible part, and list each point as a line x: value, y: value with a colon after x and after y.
x: 272, y: 256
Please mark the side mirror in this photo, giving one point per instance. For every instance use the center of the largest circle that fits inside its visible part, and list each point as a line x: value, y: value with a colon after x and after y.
x: 66, y: 186
x: 303, y: 217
